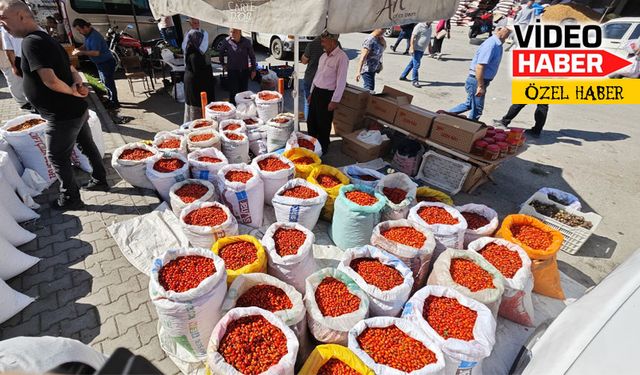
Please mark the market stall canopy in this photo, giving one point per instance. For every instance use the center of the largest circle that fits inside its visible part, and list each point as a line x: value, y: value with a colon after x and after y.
x: 307, y: 17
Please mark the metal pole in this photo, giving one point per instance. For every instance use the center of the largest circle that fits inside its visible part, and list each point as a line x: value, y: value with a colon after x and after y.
x: 135, y: 19
x: 296, y: 83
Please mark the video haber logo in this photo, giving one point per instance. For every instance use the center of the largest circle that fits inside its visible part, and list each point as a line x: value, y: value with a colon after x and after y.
x: 562, y: 51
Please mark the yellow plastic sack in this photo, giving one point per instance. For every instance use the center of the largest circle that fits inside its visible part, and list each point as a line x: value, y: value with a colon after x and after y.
x: 322, y: 353
x: 327, y: 210
x: 302, y: 170
x: 260, y: 265
x: 546, y: 277
x: 429, y: 193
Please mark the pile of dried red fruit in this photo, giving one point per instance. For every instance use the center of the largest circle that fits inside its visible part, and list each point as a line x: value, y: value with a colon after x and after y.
x: 168, y: 165
x: 366, y: 177
x: 361, y: 198
x: 328, y: 181
x: 474, y: 220
x: 266, y: 297
x: 449, y: 318
x: 26, y: 125
x: 189, y: 193
x: 436, y: 215
x: 238, y: 176
x: 201, y: 137
x: 426, y: 198
x: 334, y: 299
x: 170, y: 143
x: 288, y: 241
x: 185, y: 273
x: 335, y: 366
x: 395, y: 195
x: 234, y: 136
x: 272, y: 164
x: 238, y: 254
x: 209, y: 159
x: 531, y: 236
x: 220, y: 108
x: 300, y: 192
x: 506, y: 261
x: 250, y: 121
x: 470, y: 275
x: 252, y: 345
x: 390, y: 346
x: 405, y: 235
x: 232, y: 126
x: 305, y: 143
x: 281, y: 120
x: 376, y: 273
x: 202, y: 124
x: 206, y: 217
x: 135, y: 154
x: 267, y: 96
x: 305, y: 160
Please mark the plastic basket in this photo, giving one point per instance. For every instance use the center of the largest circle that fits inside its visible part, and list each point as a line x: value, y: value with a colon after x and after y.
x: 443, y: 172
x: 574, y: 237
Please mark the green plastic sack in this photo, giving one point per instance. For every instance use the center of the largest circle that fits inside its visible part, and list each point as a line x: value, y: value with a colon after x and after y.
x: 353, y: 224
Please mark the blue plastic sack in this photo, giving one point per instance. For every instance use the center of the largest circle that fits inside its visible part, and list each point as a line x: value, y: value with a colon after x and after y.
x: 353, y: 224
x: 353, y: 171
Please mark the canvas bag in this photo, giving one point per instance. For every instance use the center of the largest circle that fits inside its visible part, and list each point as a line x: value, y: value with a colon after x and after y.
x: 278, y: 133
x: 133, y: 171
x: 293, y: 142
x: 163, y: 136
x: 177, y: 205
x: 488, y: 230
x: 163, y: 182
x: 205, y: 237
x: 224, y: 123
x: 214, y: 141
x: 246, y: 201
x: 447, y: 236
x: 273, y: 180
x: 236, y: 151
x: 206, y: 171
x: 398, y: 180
x: 14, y: 261
x: 296, y: 210
x: 268, y: 109
x: 12, y: 232
x: 219, y: 116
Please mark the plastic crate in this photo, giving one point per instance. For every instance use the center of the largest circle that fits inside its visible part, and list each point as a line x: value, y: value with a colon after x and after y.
x: 443, y: 172
x: 574, y: 237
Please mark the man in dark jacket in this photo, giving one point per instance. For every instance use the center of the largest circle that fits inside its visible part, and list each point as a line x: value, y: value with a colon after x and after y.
x: 239, y: 60
x: 405, y: 33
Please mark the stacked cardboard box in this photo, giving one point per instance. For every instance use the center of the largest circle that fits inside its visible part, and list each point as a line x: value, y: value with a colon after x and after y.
x: 456, y: 132
x: 348, y: 116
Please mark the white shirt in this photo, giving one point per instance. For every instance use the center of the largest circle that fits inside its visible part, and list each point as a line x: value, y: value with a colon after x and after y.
x: 11, y: 43
x: 204, y: 46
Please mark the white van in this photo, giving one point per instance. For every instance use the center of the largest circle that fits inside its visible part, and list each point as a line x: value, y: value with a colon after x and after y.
x: 281, y: 46
x: 618, y: 33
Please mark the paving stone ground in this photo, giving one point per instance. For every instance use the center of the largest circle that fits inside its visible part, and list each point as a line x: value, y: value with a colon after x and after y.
x: 84, y: 288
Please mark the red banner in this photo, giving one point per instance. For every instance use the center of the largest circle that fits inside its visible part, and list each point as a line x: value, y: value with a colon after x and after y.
x: 565, y: 63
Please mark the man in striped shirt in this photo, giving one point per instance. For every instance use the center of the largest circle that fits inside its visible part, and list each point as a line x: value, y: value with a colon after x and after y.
x: 327, y: 89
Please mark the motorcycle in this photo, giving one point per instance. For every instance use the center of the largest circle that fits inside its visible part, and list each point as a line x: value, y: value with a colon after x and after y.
x: 482, y: 23
x: 122, y: 44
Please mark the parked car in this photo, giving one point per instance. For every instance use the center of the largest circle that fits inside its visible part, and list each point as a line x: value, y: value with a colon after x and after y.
x: 618, y: 33
x: 597, y: 334
x: 280, y: 46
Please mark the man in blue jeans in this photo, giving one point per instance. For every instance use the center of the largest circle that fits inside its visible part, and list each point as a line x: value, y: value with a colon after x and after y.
x: 420, y: 39
x: 96, y: 48
x: 483, y: 69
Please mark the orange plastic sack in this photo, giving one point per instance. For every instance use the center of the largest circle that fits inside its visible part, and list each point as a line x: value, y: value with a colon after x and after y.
x: 546, y: 277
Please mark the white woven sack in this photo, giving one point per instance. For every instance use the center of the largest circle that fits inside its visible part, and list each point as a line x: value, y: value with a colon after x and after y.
x: 447, y: 236
x: 459, y: 355
x: 96, y: 131
x: 397, y: 180
x: 14, y: 261
x: 10, y: 174
x: 293, y: 142
x: 187, y: 318
x: 485, y: 231
x: 15, y: 160
x: 257, y: 139
x: 12, y: 232
x: 417, y: 260
x: 12, y: 204
x: 245, y: 105
x: 441, y: 275
x: 517, y: 304
x: 327, y: 329
x: 203, y: 170
x: 12, y: 302
x: 292, y: 269
x: 205, y: 237
x: 382, y: 303
x: 132, y: 171
x: 177, y: 205
x: 246, y: 201
x: 353, y: 172
x: 405, y: 326
x: 219, y: 116
x: 198, y: 145
x: 273, y: 181
x: 163, y: 136
x: 268, y: 109
x: 163, y: 182
x: 202, y: 124
x: 226, y: 123
x: 245, y: 97
x: 218, y: 365
x: 278, y: 133
x: 235, y: 151
x: 295, y: 210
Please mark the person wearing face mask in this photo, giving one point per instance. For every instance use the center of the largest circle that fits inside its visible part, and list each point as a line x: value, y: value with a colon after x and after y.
x: 239, y: 60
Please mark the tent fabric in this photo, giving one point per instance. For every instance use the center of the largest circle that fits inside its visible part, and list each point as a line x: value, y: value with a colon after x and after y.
x: 307, y: 17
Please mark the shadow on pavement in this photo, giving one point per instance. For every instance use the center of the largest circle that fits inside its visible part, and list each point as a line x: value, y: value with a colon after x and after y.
x: 575, y: 274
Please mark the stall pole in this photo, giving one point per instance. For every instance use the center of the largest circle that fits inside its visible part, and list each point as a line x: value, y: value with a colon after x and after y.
x: 296, y: 83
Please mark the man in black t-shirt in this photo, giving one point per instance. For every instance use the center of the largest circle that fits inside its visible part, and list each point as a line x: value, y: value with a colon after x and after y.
x: 55, y: 89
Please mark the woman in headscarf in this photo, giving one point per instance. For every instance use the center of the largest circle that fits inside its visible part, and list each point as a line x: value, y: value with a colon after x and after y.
x: 198, y: 77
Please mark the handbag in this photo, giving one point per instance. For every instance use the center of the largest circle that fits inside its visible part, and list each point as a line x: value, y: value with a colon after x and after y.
x: 441, y: 34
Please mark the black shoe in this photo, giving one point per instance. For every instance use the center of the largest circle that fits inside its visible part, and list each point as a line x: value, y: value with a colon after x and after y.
x: 393, y: 48
x: 416, y: 84
x: 111, y: 105
x: 65, y: 202
x: 532, y: 133
x: 26, y: 106
x: 406, y: 53
x: 499, y: 122
x: 96, y: 185
x: 403, y: 78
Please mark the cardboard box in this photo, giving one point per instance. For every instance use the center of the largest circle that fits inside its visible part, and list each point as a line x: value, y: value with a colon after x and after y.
x: 362, y: 151
x: 385, y: 105
x: 341, y: 128
x: 415, y: 120
x: 456, y: 132
x: 348, y: 115
x: 355, y: 97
